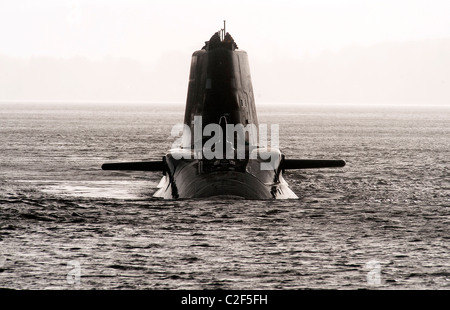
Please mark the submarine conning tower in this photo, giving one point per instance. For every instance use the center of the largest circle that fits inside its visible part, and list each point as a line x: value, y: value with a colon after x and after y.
x: 220, y: 87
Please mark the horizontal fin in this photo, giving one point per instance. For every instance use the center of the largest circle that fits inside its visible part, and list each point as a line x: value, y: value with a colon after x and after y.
x: 135, y: 166
x: 312, y: 163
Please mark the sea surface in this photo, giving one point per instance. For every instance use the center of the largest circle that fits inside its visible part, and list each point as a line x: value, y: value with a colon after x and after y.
x: 381, y: 222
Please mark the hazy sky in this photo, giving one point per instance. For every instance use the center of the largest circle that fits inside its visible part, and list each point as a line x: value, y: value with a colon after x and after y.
x: 270, y: 31
x: 145, y: 29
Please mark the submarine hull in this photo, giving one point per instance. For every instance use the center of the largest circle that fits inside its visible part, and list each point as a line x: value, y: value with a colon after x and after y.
x: 199, y: 178
x: 223, y: 150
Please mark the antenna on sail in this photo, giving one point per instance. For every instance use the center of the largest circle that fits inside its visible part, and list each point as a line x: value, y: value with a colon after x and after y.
x: 222, y: 32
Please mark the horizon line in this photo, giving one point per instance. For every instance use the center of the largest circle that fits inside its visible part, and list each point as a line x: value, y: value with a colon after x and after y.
x: 183, y: 103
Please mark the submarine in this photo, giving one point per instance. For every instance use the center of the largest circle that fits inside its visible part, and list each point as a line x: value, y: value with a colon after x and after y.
x: 223, y: 151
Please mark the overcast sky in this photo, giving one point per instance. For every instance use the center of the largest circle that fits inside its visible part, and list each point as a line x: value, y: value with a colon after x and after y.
x: 160, y: 33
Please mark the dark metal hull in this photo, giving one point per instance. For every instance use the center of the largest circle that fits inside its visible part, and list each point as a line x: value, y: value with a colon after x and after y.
x: 194, y: 178
x: 220, y: 97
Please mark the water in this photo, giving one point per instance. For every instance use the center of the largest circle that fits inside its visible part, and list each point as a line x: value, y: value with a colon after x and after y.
x: 380, y: 222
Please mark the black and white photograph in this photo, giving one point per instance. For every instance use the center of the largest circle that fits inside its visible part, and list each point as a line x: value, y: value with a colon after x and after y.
x: 241, y: 147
